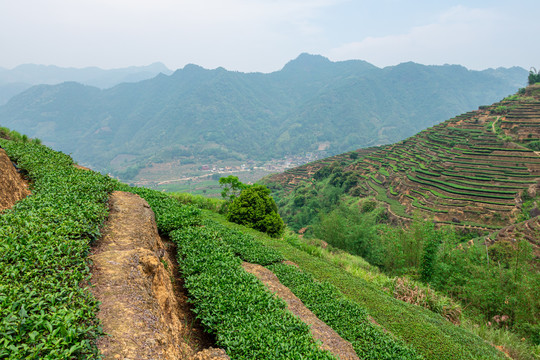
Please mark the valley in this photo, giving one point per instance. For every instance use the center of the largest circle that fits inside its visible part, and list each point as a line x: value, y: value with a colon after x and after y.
x: 189, y: 176
x: 225, y: 118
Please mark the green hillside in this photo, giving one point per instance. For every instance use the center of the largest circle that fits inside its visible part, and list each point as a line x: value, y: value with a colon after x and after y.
x: 46, y: 313
x: 469, y: 170
x: 202, y: 116
x: 454, y: 206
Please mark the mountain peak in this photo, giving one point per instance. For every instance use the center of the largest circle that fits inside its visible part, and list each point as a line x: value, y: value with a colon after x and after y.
x: 307, y: 62
x: 193, y: 67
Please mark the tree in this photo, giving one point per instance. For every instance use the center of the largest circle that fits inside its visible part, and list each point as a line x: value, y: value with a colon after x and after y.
x: 255, y: 208
x: 231, y: 187
x: 534, y: 76
x: 429, y: 258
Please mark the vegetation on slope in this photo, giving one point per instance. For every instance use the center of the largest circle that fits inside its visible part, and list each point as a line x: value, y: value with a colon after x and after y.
x: 427, y: 333
x: 46, y: 310
x: 248, y: 321
x: 210, y: 258
x: 417, y: 293
x: 466, y: 172
x: 227, y: 241
x: 47, y: 314
x: 369, y: 340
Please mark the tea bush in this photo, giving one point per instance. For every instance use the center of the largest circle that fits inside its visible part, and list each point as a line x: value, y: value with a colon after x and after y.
x: 346, y: 317
x: 46, y: 310
x: 248, y: 321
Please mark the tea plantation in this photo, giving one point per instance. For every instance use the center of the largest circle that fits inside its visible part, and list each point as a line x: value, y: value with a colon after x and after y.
x: 47, y: 312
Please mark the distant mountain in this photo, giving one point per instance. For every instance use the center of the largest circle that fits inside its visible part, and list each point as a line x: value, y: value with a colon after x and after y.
x: 309, y: 105
x: 7, y: 91
x: 512, y: 75
x: 22, y: 77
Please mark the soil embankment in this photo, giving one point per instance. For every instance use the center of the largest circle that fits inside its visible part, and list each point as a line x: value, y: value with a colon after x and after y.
x: 12, y: 185
x: 133, y: 280
x: 331, y: 341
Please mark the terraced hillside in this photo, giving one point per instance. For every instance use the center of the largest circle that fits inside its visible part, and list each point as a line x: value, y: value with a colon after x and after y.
x: 298, y: 175
x: 48, y: 312
x: 471, y: 170
x: 527, y: 230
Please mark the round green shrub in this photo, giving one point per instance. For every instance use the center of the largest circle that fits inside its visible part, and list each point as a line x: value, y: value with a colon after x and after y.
x: 255, y: 208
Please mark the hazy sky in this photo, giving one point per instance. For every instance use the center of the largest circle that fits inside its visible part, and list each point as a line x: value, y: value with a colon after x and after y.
x: 262, y: 35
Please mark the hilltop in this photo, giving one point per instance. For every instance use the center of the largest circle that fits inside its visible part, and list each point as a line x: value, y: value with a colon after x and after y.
x: 200, y: 116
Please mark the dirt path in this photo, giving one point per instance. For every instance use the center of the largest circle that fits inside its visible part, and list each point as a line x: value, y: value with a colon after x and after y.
x: 82, y: 167
x: 133, y: 280
x: 331, y: 341
x: 12, y: 185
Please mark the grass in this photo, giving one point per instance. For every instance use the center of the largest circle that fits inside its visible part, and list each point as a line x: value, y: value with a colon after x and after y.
x: 510, y: 342
x: 200, y: 201
x: 395, y: 205
x: 329, y: 305
x: 205, y: 187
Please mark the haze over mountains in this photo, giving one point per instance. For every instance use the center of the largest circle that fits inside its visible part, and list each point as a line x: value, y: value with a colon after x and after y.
x: 22, y: 77
x: 203, y: 115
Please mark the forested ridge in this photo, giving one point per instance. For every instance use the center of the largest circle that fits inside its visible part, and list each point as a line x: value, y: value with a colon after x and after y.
x: 206, y: 115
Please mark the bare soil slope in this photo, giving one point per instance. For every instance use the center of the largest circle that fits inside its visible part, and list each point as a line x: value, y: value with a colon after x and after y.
x: 12, y: 186
x: 133, y: 280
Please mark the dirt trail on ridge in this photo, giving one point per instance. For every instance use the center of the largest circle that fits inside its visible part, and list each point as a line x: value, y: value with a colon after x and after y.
x: 133, y: 278
x: 12, y: 185
x: 331, y: 341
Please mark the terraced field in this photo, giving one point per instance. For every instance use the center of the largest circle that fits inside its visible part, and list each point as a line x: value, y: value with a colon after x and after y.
x: 469, y: 170
x: 520, y: 121
x: 295, y: 176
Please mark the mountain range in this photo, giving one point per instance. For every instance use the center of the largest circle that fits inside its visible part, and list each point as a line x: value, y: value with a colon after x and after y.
x: 16, y: 80
x: 311, y: 104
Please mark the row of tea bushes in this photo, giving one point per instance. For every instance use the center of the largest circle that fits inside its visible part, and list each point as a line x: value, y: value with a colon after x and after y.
x: 46, y: 310
x: 248, y: 321
x: 347, y: 318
